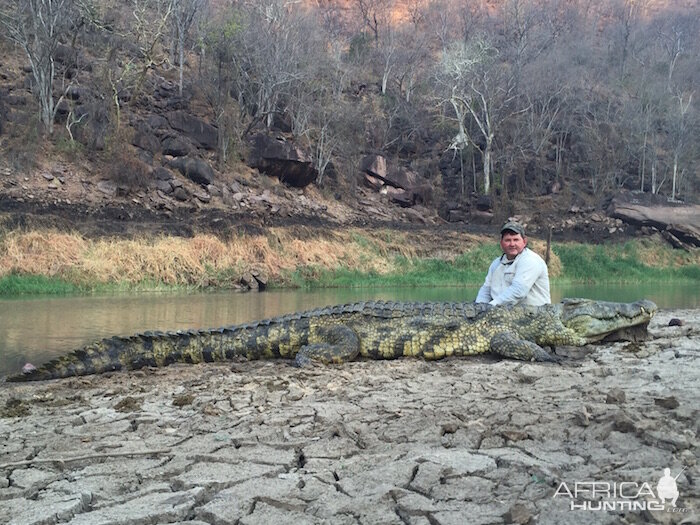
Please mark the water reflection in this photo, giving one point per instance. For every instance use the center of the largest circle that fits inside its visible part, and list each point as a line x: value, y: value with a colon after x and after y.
x: 37, y: 330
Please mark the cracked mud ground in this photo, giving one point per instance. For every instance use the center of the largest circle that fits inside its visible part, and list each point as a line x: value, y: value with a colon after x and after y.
x: 474, y: 440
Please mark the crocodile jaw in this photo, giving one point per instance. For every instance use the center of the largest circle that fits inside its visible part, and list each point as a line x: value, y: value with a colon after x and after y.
x: 598, y: 320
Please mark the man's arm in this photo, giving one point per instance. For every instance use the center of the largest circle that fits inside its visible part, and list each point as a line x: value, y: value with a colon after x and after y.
x: 484, y: 295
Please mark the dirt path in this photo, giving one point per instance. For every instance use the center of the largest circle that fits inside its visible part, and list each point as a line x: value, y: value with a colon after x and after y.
x: 408, y: 442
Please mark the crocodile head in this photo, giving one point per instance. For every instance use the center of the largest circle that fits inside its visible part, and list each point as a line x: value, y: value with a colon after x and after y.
x: 606, y: 321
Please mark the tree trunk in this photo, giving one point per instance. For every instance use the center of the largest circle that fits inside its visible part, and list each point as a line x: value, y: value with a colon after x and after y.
x: 487, y: 164
x: 675, y: 175
x: 181, y: 58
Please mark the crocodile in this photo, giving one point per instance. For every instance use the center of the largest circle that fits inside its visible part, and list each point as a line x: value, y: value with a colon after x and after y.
x: 374, y: 330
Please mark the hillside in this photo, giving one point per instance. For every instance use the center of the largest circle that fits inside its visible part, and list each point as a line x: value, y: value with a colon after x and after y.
x: 174, y: 122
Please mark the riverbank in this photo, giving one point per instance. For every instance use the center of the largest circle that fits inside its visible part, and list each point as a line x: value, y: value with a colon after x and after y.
x: 475, y: 440
x: 45, y: 261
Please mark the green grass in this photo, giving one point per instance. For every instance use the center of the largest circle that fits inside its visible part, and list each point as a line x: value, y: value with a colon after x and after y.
x: 12, y: 285
x: 22, y: 285
x: 624, y: 263
x: 467, y: 269
x: 581, y: 264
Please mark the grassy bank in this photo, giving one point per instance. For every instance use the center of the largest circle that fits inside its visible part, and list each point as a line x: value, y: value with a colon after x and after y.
x: 49, y: 262
x: 635, y: 262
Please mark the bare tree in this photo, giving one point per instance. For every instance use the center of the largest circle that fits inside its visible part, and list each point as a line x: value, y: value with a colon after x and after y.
x: 679, y: 137
x: 482, y: 88
x: 183, y: 16
x: 624, y: 20
x: 273, y: 52
x: 149, y: 23
x: 217, y: 81
x: 374, y: 14
x: 37, y: 26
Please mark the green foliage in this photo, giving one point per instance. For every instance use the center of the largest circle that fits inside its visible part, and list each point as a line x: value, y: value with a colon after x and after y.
x: 222, y: 33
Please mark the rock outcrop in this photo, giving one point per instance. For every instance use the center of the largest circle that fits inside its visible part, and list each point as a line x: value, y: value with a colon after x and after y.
x: 197, y: 170
x: 206, y: 135
x: 283, y: 159
x: 402, y: 185
x: 678, y: 223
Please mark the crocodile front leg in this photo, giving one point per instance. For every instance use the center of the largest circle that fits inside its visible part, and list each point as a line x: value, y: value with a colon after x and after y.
x: 512, y: 346
x: 338, y: 344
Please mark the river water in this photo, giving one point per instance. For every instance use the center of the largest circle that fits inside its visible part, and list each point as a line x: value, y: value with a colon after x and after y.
x: 38, y: 329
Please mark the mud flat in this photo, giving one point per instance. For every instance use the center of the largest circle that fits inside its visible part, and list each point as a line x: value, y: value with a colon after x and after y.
x: 474, y: 440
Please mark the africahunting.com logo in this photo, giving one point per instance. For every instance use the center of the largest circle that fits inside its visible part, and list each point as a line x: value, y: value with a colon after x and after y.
x: 624, y: 495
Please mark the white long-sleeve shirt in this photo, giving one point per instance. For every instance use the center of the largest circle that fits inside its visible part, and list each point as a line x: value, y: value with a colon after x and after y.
x: 524, y: 280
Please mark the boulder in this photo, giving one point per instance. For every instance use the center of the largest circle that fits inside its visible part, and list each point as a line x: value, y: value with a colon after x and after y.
x: 146, y: 141
x: 373, y: 182
x: 157, y: 122
x: 403, y: 198
x: 181, y: 194
x: 282, y: 159
x: 199, y: 131
x: 107, y: 187
x: 479, y: 217
x: 679, y: 223
x: 162, y: 173
x: 65, y: 55
x: 403, y: 178
x: 374, y: 165
x: 163, y: 185
x: 484, y: 203
x: 63, y: 108
x: 175, y: 147
x: 197, y: 170
x: 403, y: 185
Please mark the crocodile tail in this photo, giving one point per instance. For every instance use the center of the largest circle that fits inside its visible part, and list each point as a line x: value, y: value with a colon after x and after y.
x: 151, y: 349
x: 266, y: 339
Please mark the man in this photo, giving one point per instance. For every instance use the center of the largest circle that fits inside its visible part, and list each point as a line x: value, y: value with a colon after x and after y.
x: 519, y: 276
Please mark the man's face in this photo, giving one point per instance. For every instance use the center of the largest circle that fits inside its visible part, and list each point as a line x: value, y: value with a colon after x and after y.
x: 512, y: 244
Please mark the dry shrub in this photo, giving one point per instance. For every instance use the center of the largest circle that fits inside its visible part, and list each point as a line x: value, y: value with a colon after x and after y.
x: 657, y: 255
x: 247, y: 252
x: 168, y: 260
x: 41, y: 253
x: 209, y: 248
x: 540, y: 247
x: 179, y: 261
x: 127, y: 171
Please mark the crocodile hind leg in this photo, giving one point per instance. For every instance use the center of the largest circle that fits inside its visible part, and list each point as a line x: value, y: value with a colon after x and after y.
x: 339, y: 345
x: 509, y: 345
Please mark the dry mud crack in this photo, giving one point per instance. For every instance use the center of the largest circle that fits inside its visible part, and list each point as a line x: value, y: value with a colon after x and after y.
x: 458, y: 441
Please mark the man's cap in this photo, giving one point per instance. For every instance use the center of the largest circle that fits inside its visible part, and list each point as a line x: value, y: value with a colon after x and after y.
x: 513, y: 227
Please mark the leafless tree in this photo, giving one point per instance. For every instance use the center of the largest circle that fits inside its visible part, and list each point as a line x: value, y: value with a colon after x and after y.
x: 271, y: 54
x: 149, y: 21
x: 481, y: 88
x: 183, y: 16
x: 374, y: 15
x: 37, y: 26
x: 679, y: 137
